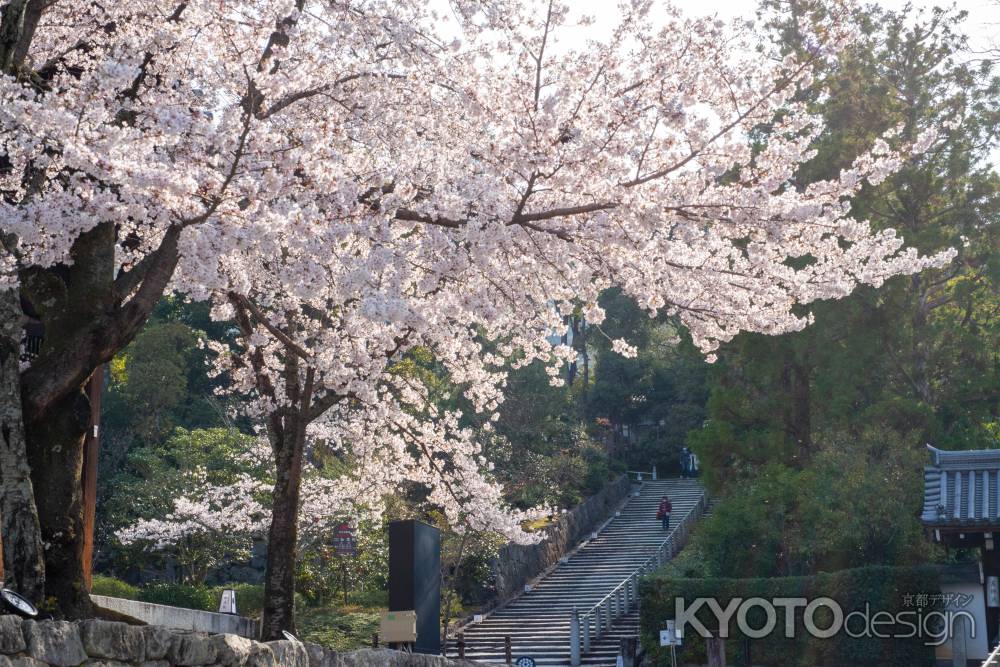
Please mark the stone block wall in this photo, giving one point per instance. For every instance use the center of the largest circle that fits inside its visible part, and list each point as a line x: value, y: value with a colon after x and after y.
x: 517, y: 564
x: 96, y: 643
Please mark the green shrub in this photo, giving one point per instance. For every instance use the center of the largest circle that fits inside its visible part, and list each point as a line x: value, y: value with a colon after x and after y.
x: 369, y: 598
x: 114, y: 588
x: 188, y: 596
x: 337, y: 628
x: 249, y: 598
x: 881, y: 588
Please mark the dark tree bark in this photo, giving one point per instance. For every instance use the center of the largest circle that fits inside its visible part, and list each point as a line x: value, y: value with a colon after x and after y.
x: 56, y: 459
x: 23, y: 559
x: 88, y: 315
x: 72, y: 303
x: 282, y: 546
x: 286, y: 430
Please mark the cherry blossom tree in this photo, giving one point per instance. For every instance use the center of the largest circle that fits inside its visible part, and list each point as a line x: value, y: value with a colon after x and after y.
x: 212, y: 523
x: 348, y: 180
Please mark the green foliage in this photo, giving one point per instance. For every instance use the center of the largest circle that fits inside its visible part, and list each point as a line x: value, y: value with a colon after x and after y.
x: 340, y: 628
x: 660, y: 394
x: 852, y: 506
x: 152, y: 377
x: 157, y: 384
x: 815, y: 439
x: 154, y: 475
x: 249, y: 597
x: 187, y: 596
x: 323, y: 577
x: 115, y: 588
x: 541, y: 449
x: 881, y: 588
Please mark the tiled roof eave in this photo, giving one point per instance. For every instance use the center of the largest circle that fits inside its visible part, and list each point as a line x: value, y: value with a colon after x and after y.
x: 984, y: 459
x: 986, y: 525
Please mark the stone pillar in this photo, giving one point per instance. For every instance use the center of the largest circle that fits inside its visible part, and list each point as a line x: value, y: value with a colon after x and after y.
x: 959, y: 638
x: 574, y: 638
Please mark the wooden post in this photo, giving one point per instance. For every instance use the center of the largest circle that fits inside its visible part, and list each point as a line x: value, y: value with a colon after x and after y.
x: 375, y: 640
x: 716, y: 651
x: 91, y: 446
x: 508, y: 653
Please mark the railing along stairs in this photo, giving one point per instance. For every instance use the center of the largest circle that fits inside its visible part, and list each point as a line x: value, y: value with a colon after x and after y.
x: 588, y: 627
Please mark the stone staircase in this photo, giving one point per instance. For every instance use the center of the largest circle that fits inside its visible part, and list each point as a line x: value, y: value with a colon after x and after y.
x: 538, y: 621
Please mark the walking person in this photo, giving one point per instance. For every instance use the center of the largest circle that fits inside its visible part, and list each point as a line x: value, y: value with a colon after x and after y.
x: 685, y: 462
x: 663, y: 512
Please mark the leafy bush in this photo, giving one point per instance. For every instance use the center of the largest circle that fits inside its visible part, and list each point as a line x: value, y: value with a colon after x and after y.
x: 787, y: 520
x: 249, y: 597
x: 114, y: 588
x: 878, y: 588
x: 188, y: 596
x: 339, y: 629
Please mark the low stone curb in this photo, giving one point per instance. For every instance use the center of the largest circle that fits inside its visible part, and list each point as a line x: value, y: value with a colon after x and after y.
x: 96, y: 643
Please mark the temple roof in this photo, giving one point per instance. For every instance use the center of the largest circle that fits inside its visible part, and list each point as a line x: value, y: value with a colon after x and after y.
x: 962, y: 489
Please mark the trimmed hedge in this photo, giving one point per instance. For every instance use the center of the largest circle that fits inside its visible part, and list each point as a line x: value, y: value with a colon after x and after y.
x: 882, y: 588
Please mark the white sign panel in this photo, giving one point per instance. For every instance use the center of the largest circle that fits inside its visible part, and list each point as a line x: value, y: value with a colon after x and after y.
x: 670, y: 636
x: 227, y: 605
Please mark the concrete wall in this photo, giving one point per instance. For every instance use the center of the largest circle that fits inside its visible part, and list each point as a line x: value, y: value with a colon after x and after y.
x: 180, y: 618
x: 106, y: 644
x: 517, y: 564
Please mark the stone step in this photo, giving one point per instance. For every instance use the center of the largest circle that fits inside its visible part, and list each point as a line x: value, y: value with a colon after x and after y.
x: 538, y: 622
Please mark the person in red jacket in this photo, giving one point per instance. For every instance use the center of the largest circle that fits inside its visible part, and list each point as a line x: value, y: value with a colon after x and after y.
x: 663, y: 512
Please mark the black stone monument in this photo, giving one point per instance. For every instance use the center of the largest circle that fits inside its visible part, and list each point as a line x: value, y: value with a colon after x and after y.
x: 415, y: 579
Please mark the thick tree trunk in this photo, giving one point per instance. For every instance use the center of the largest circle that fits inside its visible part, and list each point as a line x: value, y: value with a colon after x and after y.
x: 56, y: 458
x: 282, y: 546
x: 23, y: 557
x: 72, y: 302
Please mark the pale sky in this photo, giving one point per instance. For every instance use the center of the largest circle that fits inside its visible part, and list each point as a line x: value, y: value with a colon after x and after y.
x: 982, y: 25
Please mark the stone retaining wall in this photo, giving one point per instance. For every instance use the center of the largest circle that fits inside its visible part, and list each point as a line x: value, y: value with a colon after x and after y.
x: 517, y: 564
x: 179, y: 618
x: 96, y: 643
